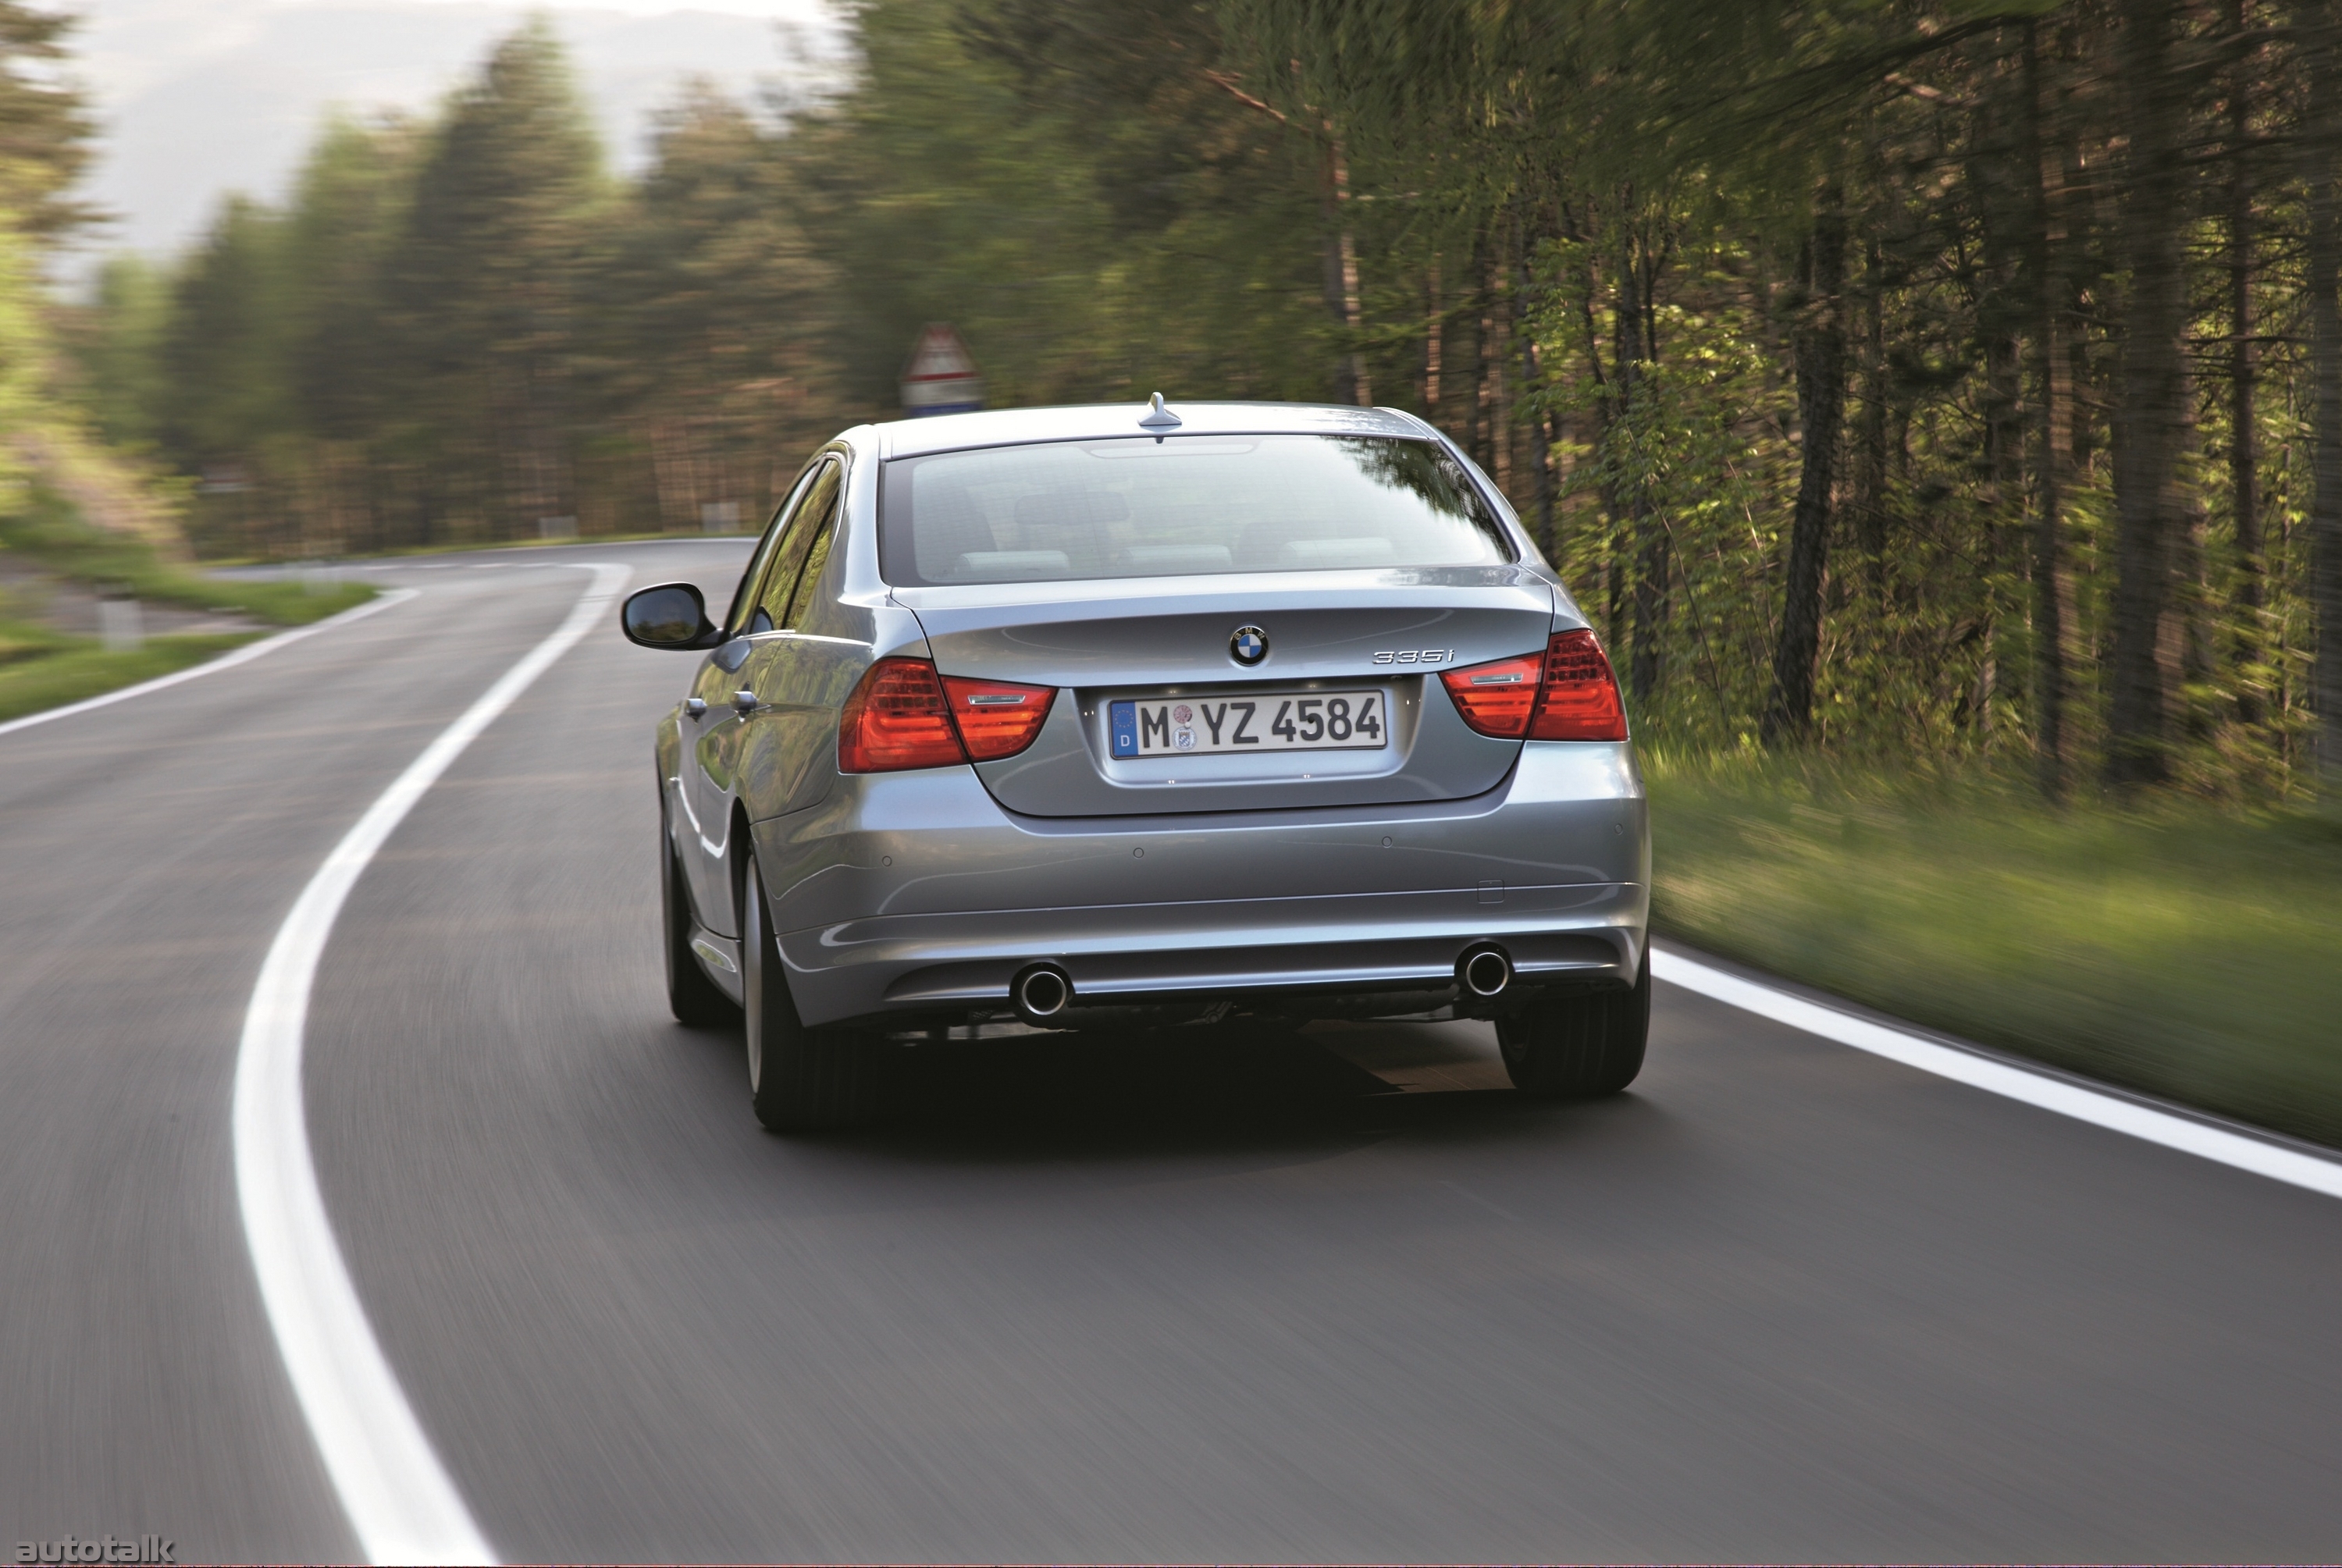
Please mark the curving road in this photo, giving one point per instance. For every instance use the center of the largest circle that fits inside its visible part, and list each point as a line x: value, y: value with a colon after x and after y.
x: 1331, y: 1295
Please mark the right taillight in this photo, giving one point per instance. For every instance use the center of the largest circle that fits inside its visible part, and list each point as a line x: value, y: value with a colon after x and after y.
x: 1569, y: 694
x: 1578, y: 699
x: 897, y: 718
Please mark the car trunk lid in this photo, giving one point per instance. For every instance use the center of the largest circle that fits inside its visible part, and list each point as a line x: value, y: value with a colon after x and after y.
x: 1377, y: 640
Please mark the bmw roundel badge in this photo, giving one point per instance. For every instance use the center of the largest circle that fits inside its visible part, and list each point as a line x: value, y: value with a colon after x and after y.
x: 1249, y: 645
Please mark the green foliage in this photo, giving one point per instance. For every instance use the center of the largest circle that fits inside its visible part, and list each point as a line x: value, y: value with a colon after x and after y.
x: 702, y: 311
x: 46, y: 129
x: 348, y: 208
x: 455, y: 329
x: 222, y: 353
x: 1071, y: 188
x: 24, y: 346
x: 1583, y: 238
x: 1693, y: 452
x: 115, y: 347
x: 483, y: 284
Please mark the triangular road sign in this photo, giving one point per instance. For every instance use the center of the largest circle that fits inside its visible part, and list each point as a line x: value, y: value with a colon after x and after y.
x: 940, y: 377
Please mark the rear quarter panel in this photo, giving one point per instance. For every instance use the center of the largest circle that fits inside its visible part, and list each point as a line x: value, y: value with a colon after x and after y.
x: 789, y: 755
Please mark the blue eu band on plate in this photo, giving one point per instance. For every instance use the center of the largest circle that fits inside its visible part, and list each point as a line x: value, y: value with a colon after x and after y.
x: 1294, y: 722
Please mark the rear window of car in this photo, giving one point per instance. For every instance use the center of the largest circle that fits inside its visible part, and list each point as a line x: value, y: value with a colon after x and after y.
x: 1183, y: 506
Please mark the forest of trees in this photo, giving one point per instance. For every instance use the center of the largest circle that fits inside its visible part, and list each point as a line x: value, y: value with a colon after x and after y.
x: 1919, y: 381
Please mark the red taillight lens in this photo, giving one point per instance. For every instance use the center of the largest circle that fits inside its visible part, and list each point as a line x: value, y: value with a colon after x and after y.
x: 1569, y: 694
x: 897, y: 718
x: 1497, y: 699
x: 1579, y: 701
x: 996, y: 718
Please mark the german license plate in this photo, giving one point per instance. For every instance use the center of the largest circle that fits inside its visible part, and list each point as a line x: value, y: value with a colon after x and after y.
x: 1197, y: 726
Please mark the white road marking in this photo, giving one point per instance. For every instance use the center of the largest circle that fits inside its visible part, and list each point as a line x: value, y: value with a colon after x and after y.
x: 399, y: 1499
x: 2276, y: 1161
x: 243, y: 655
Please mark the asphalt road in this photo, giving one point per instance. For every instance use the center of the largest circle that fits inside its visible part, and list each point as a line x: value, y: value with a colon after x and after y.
x: 1331, y: 1295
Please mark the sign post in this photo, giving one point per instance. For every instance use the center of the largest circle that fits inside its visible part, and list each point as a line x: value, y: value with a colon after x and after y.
x: 940, y: 377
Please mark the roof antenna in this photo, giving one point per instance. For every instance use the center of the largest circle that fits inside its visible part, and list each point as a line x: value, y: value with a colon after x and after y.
x: 1158, y: 417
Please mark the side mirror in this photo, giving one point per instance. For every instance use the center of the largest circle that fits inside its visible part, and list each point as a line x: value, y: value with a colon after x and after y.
x: 668, y: 615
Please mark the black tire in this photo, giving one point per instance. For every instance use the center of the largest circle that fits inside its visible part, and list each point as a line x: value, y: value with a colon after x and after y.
x: 800, y: 1080
x: 691, y: 996
x: 1579, y: 1047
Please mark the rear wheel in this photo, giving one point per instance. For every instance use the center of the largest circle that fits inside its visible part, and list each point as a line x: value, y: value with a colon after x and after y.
x: 691, y: 996
x: 1579, y: 1047
x: 800, y: 1080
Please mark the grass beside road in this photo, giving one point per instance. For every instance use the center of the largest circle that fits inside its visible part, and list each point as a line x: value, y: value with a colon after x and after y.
x: 2186, y: 950
x: 50, y: 534
x: 42, y: 667
x: 72, y: 668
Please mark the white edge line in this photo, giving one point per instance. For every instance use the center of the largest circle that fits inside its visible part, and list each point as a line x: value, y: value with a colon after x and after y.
x: 234, y: 656
x: 2274, y: 1161
x: 400, y: 1500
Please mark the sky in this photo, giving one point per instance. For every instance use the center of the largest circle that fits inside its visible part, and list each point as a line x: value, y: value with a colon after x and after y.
x: 197, y: 98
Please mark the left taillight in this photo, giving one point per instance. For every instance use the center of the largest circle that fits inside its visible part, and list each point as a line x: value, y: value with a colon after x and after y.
x: 902, y: 714
x: 897, y: 718
x: 1567, y: 694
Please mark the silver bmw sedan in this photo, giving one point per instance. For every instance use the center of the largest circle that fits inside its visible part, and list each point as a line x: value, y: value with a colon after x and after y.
x: 1145, y: 715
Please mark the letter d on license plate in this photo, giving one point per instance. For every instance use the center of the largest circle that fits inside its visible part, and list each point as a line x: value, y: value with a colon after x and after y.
x: 1302, y: 721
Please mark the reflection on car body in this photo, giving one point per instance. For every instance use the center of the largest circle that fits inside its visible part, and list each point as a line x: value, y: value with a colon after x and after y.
x: 1048, y: 717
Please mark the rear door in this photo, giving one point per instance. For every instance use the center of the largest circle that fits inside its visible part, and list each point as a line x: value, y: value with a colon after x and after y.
x: 1249, y: 669
x: 801, y: 674
x: 710, y: 770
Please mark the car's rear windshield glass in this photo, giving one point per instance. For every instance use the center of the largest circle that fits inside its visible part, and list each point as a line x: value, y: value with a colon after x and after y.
x: 1180, y: 507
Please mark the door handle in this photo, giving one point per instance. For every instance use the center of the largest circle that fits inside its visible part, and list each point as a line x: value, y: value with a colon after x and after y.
x: 694, y: 707
x: 744, y: 701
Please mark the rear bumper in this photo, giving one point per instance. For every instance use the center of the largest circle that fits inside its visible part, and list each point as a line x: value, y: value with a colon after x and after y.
x: 917, y: 895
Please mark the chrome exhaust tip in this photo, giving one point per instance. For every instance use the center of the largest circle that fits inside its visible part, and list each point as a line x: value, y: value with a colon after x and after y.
x: 1485, y: 971
x: 1041, y: 993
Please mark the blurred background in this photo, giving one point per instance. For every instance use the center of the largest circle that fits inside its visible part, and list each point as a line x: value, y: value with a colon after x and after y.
x: 1937, y: 407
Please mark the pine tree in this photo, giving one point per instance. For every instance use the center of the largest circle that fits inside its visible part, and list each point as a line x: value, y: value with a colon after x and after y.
x: 482, y: 285
x: 223, y: 353
x: 114, y: 343
x: 707, y: 315
x: 348, y: 205
x: 45, y: 127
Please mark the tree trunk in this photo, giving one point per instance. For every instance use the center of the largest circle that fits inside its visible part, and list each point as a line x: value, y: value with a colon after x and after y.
x: 1615, y: 630
x: 2243, y: 448
x: 1434, y: 348
x: 1540, y: 429
x: 1870, y: 429
x: 2325, y: 372
x: 2001, y: 318
x: 2150, y: 511
x: 2048, y: 596
x: 1654, y: 561
x: 1820, y: 350
x: 2005, y: 449
x: 1500, y: 391
x: 1342, y: 298
x: 1341, y: 247
x: 1486, y: 353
